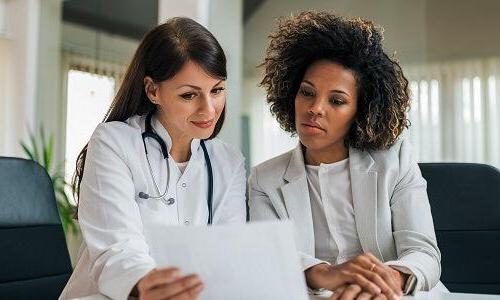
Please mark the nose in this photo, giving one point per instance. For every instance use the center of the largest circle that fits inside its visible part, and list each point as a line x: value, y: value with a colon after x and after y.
x: 207, y: 106
x: 317, y: 107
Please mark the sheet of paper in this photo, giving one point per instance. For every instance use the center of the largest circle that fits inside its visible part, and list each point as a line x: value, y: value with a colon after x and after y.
x: 244, y: 261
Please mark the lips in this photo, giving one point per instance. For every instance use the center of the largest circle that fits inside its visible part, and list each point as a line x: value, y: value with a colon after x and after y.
x: 203, y: 124
x: 312, y: 125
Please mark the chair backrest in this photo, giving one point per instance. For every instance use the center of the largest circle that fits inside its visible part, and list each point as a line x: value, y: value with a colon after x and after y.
x: 34, y: 260
x: 465, y: 203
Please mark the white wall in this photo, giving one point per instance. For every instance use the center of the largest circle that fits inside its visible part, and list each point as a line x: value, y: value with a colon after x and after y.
x: 3, y: 18
x: 20, y: 54
x: 229, y: 31
x: 48, y: 98
x: 97, y: 44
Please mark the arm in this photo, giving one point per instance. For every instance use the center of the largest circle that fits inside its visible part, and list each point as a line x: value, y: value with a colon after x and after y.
x: 413, y: 229
x: 234, y: 209
x: 110, y: 219
x: 262, y: 209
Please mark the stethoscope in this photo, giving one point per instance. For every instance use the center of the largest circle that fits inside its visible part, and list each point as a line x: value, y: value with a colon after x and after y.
x: 149, y: 133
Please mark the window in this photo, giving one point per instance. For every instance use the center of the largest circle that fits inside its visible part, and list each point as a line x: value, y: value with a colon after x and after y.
x: 454, y: 113
x: 89, y: 96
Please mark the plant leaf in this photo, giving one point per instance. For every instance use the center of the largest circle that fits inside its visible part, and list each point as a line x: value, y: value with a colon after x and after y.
x: 48, y: 153
x: 27, y: 151
x: 34, y: 148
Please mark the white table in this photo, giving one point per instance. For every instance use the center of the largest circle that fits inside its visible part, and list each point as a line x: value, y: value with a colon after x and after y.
x: 418, y: 296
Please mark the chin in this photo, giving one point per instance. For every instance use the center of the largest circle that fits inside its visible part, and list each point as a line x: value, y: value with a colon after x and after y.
x: 314, y: 143
x: 203, y: 134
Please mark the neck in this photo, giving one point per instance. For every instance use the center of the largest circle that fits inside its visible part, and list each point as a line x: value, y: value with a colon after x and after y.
x: 181, y: 143
x: 328, y: 155
x: 181, y: 150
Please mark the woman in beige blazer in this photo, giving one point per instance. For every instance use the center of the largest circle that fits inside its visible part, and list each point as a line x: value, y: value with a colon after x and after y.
x: 352, y: 186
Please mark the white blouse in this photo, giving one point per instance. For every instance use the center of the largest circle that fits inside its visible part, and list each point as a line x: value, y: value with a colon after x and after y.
x: 335, y: 234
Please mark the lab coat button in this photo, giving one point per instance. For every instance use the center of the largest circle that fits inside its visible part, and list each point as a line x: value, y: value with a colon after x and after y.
x: 184, y: 184
x: 186, y: 222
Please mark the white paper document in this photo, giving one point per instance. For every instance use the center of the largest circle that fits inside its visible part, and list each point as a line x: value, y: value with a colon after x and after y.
x: 244, y: 261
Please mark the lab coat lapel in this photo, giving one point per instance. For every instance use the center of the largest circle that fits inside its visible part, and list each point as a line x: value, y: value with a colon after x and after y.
x: 364, y: 194
x: 296, y: 198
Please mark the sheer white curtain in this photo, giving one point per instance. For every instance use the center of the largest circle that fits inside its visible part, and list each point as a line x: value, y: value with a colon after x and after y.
x: 455, y: 110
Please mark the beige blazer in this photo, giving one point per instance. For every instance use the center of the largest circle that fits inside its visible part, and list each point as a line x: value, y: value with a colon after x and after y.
x: 391, y: 208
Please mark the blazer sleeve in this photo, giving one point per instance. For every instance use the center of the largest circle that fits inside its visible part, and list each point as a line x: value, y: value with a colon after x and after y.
x: 262, y: 209
x: 110, y: 220
x: 413, y: 228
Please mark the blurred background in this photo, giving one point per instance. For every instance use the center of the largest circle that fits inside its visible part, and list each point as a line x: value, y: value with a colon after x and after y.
x: 61, y: 63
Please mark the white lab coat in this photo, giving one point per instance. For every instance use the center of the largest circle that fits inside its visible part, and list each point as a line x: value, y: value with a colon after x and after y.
x: 115, y: 222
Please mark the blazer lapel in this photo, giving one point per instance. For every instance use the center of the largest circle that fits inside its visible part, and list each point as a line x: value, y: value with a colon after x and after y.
x: 296, y: 198
x: 364, y: 195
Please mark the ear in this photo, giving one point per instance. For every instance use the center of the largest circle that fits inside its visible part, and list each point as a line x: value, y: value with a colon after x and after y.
x: 151, y: 89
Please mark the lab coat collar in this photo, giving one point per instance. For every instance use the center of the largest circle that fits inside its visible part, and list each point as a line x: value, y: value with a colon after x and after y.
x: 162, y: 132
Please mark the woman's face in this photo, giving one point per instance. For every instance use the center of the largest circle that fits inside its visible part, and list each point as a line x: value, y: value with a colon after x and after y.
x: 325, y: 105
x: 190, y: 103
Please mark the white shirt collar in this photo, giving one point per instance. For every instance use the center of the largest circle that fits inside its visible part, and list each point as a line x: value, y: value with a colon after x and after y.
x: 163, y: 133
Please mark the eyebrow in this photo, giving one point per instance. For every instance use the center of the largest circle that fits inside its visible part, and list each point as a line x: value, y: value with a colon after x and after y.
x: 334, y: 91
x: 194, y: 86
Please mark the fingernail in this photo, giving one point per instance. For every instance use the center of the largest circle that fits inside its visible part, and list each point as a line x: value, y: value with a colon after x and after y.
x: 395, y: 297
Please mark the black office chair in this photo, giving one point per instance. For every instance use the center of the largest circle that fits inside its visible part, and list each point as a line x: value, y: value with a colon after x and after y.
x: 465, y: 203
x: 34, y: 260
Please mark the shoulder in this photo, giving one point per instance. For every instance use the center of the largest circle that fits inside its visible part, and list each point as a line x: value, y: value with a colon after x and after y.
x: 400, y: 151
x: 271, y: 171
x: 222, y: 150
x: 118, y: 135
x: 399, y: 157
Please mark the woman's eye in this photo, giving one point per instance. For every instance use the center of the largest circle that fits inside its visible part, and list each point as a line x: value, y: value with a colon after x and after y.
x: 217, y: 91
x: 188, y: 96
x: 306, y: 93
x: 336, y: 101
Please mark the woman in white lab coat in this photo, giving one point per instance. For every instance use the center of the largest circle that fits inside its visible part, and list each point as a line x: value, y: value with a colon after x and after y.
x: 156, y: 161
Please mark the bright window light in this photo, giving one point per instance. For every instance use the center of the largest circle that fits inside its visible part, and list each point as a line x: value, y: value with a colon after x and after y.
x: 89, y: 97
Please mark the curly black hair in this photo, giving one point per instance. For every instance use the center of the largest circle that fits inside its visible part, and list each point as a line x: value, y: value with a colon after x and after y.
x: 354, y: 43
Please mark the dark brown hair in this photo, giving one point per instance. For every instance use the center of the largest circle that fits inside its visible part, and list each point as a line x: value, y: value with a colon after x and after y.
x: 160, y: 55
x: 356, y: 44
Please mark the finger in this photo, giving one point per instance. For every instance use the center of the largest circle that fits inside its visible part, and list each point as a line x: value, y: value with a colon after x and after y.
x: 366, y: 284
x: 384, y: 272
x: 364, y: 296
x: 376, y: 279
x: 337, y: 293
x: 351, y: 292
x: 179, y: 286
x: 374, y: 265
x: 189, y: 294
x: 381, y: 297
x: 158, y: 277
